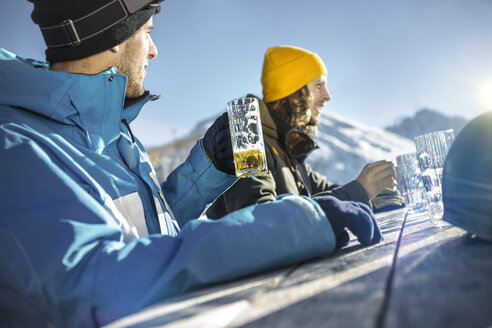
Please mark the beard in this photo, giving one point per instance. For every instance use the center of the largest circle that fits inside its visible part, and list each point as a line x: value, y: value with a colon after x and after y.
x: 312, y: 126
x: 305, y: 121
x: 126, y: 65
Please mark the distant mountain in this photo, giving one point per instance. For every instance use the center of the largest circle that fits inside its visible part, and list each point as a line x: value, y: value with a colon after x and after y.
x: 345, y: 147
x: 427, y: 120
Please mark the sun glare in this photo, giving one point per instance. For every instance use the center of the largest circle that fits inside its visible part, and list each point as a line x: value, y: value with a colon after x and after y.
x: 485, y: 95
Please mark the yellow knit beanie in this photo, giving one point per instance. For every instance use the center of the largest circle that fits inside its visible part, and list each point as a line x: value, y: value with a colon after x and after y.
x: 286, y: 69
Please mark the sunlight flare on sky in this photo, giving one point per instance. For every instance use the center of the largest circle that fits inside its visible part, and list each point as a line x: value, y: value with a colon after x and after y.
x: 485, y: 94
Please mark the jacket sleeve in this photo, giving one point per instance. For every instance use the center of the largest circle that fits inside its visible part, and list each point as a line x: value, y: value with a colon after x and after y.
x: 195, y: 184
x: 245, y: 192
x: 350, y: 191
x: 64, y: 253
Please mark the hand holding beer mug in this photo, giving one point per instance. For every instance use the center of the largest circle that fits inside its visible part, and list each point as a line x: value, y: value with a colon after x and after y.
x: 247, y: 137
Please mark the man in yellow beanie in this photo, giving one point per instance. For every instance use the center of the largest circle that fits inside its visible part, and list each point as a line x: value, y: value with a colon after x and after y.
x: 294, y: 92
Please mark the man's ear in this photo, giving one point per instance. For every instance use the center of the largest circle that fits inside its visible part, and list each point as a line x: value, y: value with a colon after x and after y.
x: 115, y: 49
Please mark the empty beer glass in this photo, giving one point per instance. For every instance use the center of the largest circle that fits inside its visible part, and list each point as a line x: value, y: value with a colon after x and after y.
x: 432, y: 149
x: 247, y: 137
x: 410, y: 180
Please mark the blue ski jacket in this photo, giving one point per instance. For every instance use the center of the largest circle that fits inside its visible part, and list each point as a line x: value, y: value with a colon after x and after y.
x: 87, y: 234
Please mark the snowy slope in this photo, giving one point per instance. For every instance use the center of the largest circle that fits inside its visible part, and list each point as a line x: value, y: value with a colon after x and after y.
x: 345, y: 147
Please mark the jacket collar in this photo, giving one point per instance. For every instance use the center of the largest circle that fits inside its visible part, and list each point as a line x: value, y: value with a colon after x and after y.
x: 268, y: 124
x: 94, y: 103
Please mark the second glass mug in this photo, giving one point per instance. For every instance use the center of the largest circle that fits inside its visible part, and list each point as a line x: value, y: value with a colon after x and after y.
x: 432, y: 149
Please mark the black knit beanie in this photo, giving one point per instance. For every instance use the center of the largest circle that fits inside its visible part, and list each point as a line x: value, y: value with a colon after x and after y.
x: 50, y: 12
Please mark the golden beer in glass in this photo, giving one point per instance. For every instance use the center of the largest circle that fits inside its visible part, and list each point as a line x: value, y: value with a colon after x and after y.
x: 247, y: 137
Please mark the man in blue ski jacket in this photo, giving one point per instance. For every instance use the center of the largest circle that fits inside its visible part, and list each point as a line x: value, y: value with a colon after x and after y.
x: 87, y: 234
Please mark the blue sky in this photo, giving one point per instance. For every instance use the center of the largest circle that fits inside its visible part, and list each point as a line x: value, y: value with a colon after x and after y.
x: 386, y: 58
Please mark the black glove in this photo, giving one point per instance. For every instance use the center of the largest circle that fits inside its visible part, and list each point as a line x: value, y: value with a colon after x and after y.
x: 217, y: 144
x: 357, y: 217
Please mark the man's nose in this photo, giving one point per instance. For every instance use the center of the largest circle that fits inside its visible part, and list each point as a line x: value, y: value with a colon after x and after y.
x: 326, y: 95
x: 152, y: 50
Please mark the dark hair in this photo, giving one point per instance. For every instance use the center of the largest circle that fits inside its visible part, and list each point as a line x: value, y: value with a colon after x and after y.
x: 293, y: 108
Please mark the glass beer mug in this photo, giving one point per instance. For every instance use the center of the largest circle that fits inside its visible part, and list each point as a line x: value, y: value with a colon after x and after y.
x: 247, y: 137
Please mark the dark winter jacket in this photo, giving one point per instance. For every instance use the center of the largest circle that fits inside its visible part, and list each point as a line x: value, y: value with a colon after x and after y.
x: 285, y: 175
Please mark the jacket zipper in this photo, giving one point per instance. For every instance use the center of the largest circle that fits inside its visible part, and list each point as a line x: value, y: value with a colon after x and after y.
x: 129, y: 130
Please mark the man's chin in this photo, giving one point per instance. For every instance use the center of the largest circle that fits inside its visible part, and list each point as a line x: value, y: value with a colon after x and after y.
x: 314, y: 121
x: 311, y: 129
x: 312, y: 126
x: 134, y: 92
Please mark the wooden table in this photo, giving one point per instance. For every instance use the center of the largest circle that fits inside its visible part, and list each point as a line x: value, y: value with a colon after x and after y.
x: 419, y: 276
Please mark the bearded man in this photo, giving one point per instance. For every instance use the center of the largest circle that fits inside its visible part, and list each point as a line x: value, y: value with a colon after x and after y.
x: 87, y: 233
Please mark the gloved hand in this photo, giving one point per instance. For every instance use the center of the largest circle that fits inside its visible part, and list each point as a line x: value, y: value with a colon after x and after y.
x: 355, y: 216
x: 218, y: 146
